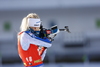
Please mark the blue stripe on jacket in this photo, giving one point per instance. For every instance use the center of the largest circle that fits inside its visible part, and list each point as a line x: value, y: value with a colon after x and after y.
x: 33, y: 36
x: 41, y: 65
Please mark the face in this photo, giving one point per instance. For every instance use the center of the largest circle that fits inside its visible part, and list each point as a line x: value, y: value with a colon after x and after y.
x: 36, y: 28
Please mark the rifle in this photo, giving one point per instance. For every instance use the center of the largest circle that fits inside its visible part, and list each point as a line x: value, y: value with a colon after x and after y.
x: 52, y: 32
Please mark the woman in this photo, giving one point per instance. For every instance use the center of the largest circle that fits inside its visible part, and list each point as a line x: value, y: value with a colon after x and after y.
x: 31, y: 47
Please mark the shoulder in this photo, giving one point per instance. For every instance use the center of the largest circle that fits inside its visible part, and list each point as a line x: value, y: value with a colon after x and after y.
x: 22, y: 34
x: 19, y: 33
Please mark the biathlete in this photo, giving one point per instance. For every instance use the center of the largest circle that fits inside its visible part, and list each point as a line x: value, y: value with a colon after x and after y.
x: 31, y: 47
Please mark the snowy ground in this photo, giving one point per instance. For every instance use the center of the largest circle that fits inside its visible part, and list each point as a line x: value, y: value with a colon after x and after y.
x: 58, y: 65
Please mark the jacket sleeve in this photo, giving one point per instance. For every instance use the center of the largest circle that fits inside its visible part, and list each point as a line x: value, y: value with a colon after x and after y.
x: 26, y: 39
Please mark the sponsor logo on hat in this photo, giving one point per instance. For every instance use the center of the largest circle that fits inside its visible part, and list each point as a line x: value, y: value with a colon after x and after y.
x: 36, y: 24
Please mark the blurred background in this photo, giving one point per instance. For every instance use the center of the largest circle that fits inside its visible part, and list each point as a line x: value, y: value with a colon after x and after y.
x: 80, y: 48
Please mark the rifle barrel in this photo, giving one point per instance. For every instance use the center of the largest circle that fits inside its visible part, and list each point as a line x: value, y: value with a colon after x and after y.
x: 62, y: 29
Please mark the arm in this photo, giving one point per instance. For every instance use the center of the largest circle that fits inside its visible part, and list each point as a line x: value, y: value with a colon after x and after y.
x: 42, y: 52
x: 26, y: 39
